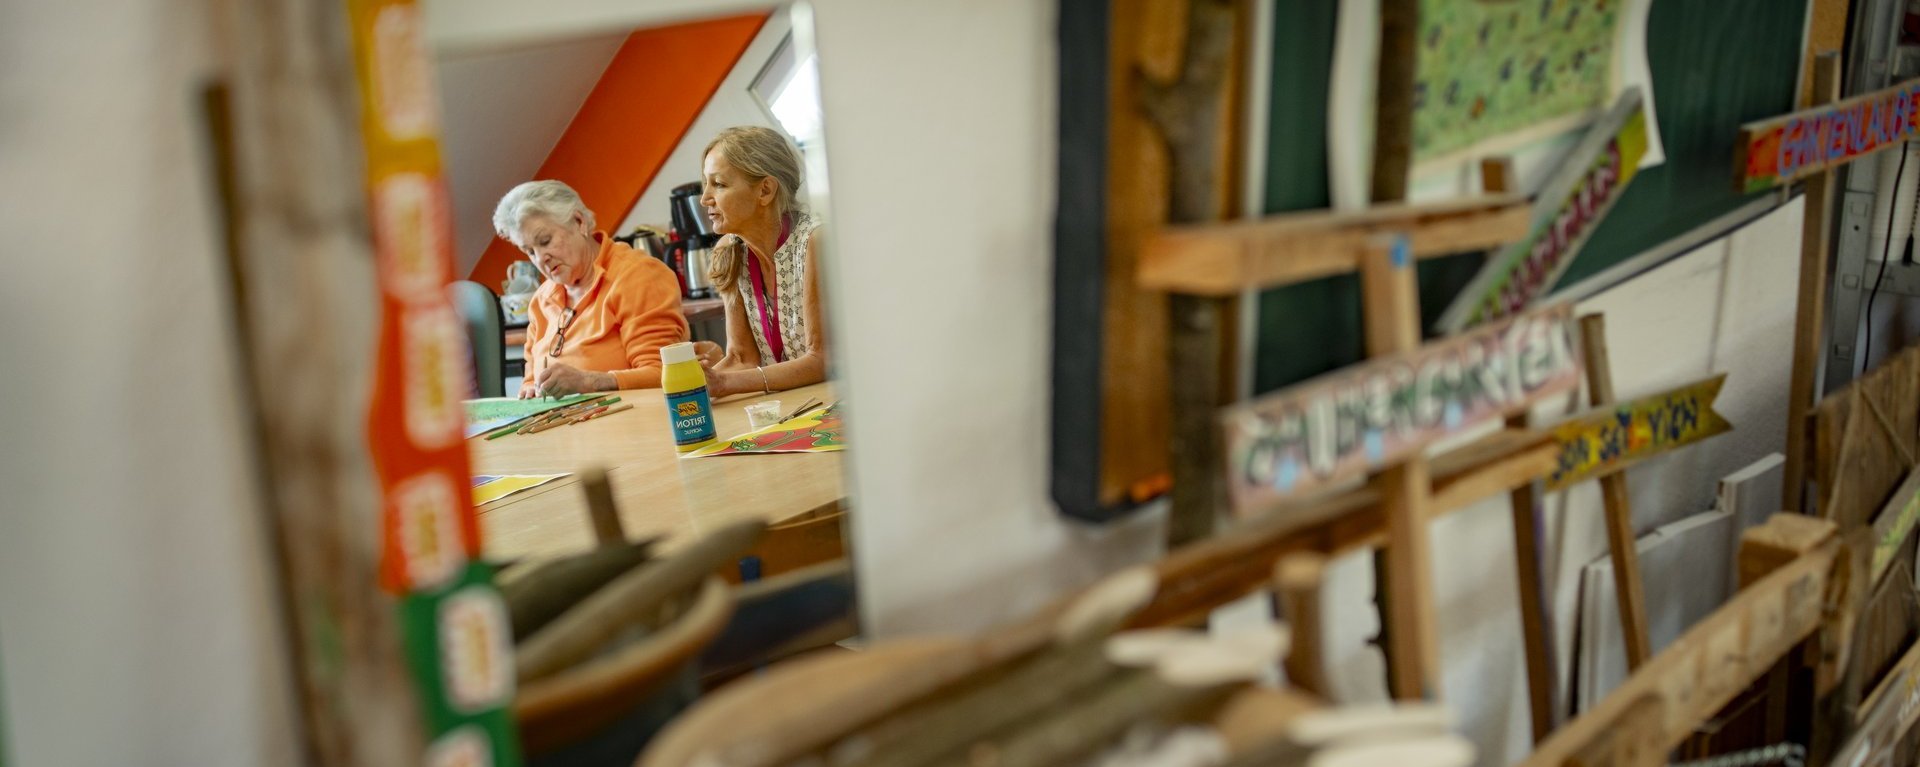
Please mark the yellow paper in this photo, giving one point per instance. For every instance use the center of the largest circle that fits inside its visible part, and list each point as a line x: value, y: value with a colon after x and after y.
x: 488, y: 488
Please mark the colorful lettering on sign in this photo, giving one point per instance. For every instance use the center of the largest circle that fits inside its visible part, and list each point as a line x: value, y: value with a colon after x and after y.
x: 1347, y: 423
x: 1593, y: 180
x: 1781, y: 149
x: 1608, y: 439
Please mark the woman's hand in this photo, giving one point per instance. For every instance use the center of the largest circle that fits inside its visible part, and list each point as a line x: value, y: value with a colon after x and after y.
x: 709, y: 353
x: 560, y: 379
x: 726, y: 383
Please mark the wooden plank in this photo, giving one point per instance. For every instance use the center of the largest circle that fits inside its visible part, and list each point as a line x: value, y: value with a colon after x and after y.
x: 1810, y: 309
x: 1783, y: 149
x: 1201, y: 576
x: 1608, y: 439
x: 1371, y: 415
x: 307, y: 305
x: 1618, y: 503
x: 1228, y: 258
x: 1894, y: 524
x: 1393, y: 327
x: 1569, y: 209
x: 1712, y: 662
x: 1877, y: 418
x: 1886, y: 717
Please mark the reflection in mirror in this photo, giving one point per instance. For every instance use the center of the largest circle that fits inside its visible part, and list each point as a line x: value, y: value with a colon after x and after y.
x: 639, y: 214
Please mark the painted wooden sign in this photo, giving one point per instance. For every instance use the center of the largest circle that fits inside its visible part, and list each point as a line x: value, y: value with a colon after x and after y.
x: 1566, y: 214
x: 1346, y: 423
x: 453, y: 621
x: 1611, y: 438
x: 1779, y: 150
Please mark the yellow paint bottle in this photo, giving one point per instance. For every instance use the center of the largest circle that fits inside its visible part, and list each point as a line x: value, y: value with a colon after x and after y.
x: 688, y: 409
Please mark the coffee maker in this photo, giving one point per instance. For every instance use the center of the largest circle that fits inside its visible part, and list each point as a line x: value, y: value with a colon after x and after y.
x: 693, y: 240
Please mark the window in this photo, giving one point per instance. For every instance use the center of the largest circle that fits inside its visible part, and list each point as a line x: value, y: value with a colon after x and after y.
x: 789, y: 89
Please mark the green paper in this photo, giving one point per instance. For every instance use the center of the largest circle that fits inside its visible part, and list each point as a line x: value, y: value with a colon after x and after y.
x: 484, y: 415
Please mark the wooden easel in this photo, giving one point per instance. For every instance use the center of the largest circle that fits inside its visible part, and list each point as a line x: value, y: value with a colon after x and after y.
x: 1628, y: 585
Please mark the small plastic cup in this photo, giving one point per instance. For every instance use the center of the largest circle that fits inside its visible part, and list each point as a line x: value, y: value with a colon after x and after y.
x: 760, y: 415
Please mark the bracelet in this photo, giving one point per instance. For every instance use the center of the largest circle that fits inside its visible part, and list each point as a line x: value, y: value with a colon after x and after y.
x: 765, y: 388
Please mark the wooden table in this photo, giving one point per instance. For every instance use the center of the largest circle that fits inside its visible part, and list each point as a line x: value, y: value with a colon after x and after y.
x: 657, y: 492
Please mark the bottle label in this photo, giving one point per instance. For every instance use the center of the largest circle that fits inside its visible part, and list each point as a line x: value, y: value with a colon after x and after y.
x: 692, y: 416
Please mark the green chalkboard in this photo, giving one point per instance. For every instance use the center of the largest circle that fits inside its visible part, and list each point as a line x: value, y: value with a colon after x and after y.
x: 1715, y: 65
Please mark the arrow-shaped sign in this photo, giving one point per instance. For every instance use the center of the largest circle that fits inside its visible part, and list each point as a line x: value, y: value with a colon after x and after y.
x: 1611, y: 438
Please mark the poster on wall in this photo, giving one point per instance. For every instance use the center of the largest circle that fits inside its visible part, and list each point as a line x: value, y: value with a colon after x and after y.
x: 1490, y: 78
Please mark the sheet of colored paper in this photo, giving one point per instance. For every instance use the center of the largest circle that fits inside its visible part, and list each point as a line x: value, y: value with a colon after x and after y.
x: 815, y: 432
x: 484, y: 415
x: 488, y: 488
x: 1488, y: 69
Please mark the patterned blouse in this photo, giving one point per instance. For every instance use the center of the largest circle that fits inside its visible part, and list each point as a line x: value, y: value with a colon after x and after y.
x: 790, y: 293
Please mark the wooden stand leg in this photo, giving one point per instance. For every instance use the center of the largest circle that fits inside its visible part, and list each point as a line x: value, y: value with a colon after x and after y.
x: 1297, y: 579
x: 1393, y: 326
x: 1533, y: 605
x: 1497, y: 177
x: 1810, y: 315
x: 607, y: 530
x: 1619, y: 503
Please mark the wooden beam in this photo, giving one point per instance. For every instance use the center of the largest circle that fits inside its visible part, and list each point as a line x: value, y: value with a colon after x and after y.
x: 307, y: 309
x: 1895, y: 523
x: 1393, y: 327
x: 1228, y: 258
x: 1716, y: 659
x: 1201, y: 576
x: 1810, y: 309
x: 1618, y: 502
x: 1887, y: 715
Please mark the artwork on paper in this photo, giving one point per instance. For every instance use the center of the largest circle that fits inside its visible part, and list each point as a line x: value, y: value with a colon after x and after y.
x: 815, y: 432
x: 1568, y: 210
x: 1347, y: 423
x: 485, y: 415
x: 1607, y: 439
x: 1780, y: 150
x: 1489, y: 69
x: 488, y: 488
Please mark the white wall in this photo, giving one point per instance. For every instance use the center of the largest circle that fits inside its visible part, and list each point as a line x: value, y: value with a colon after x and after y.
x: 940, y: 124
x: 939, y: 121
x: 135, y: 619
x: 1724, y: 307
x: 732, y: 104
x: 503, y: 111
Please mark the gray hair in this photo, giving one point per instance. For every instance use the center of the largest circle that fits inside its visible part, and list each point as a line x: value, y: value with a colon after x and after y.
x: 762, y: 152
x: 549, y: 198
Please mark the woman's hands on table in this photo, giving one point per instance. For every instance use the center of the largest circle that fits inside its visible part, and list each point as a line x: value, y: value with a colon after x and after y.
x: 560, y: 379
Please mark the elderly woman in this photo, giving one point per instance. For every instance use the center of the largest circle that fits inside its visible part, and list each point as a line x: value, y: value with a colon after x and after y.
x: 766, y: 267
x: 598, y: 322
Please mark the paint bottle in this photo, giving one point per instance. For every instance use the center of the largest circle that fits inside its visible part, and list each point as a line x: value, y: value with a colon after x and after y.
x: 689, y: 411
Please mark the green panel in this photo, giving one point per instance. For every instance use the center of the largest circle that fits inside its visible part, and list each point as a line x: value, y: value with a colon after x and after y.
x: 1706, y: 82
x: 1715, y: 65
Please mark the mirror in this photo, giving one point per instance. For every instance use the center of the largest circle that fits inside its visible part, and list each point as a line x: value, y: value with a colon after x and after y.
x: 625, y: 257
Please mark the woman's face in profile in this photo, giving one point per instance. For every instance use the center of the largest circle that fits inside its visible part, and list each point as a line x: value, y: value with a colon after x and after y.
x: 731, y: 199
x: 563, y: 253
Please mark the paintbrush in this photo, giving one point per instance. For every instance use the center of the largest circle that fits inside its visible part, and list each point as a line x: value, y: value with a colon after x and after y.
x: 561, y: 413
x: 802, y: 410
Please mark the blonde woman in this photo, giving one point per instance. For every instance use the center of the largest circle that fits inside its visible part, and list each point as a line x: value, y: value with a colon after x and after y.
x: 765, y: 267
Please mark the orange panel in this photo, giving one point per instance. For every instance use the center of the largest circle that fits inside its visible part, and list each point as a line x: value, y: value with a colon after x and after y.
x: 636, y: 114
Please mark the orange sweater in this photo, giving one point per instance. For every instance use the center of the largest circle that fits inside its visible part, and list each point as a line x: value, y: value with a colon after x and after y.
x: 631, y: 308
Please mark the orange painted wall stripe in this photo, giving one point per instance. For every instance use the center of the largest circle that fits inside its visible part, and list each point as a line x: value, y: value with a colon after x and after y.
x: 635, y: 115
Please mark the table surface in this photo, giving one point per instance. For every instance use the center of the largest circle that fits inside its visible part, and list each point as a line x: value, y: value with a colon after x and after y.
x: 657, y: 492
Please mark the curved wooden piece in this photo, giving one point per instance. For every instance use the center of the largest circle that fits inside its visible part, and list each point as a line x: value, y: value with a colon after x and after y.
x: 806, y: 703
x: 576, y: 703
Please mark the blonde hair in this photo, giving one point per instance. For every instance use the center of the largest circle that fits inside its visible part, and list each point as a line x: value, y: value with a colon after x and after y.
x: 759, y: 153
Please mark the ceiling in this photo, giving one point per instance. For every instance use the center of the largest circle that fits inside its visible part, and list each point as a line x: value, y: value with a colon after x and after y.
x: 505, y: 109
